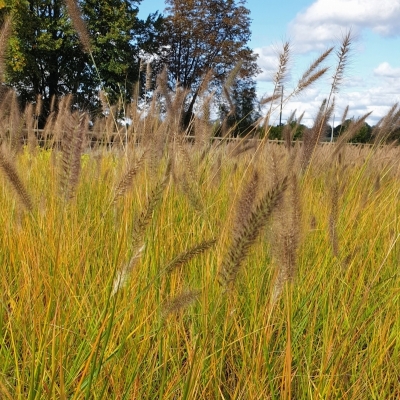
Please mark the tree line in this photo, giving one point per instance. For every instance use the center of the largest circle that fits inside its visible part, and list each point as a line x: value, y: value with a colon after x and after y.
x: 196, y: 42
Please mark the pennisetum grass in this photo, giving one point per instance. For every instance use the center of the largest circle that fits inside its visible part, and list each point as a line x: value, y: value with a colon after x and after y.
x: 72, y: 149
x: 5, y: 33
x: 179, y: 302
x: 313, y: 136
x: 353, y: 128
x: 286, y: 240
x: 126, y: 181
x: 251, y: 219
x: 15, y: 181
x: 93, y: 295
x: 387, y: 125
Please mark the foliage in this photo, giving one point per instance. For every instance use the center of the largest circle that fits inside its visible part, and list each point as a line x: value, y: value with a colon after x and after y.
x: 277, y: 132
x: 157, y: 268
x: 46, y: 58
x: 110, y: 256
x: 244, y: 116
x: 364, y: 135
x: 203, y: 35
x: 118, y: 38
x: 44, y: 55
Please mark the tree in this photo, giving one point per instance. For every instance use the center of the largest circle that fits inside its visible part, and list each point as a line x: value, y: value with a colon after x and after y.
x: 205, y: 34
x: 364, y: 135
x: 46, y: 57
x: 118, y: 37
x: 244, y: 115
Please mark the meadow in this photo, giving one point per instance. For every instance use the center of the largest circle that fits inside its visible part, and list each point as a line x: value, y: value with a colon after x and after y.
x: 162, y: 267
x: 198, y: 270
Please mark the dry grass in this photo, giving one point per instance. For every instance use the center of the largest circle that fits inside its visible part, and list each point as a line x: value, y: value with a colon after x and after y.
x: 99, y: 274
x: 61, y: 267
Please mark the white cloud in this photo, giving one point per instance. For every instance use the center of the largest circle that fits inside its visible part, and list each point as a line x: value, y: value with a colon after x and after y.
x: 268, y: 61
x: 361, y: 100
x: 324, y: 21
x: 321, y: 25
x: 386, y: 70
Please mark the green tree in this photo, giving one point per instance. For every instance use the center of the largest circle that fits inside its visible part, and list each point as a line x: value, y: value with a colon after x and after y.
x: 276, y: 132
x: 118, y: 38
x: 364, y: 135
x: 244, y: 115
x: 295, y: 129
x: 45, y: 56
x: 200, y: 35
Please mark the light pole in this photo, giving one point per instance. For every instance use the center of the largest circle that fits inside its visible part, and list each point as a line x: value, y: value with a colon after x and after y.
x: 280, y: 115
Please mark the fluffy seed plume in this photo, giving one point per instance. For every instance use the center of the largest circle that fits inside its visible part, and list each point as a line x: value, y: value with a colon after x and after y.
x: 287, y: 132
x: 71, y: 155
x: 13, y: 178
x: 186, y: 256
x: 148, y: 77
x: 5, y: 33
x: 162, y: 88
x: 249, y: 231
x: 344, y: 116
x: 314, y: 72
x: 284, y: 57
x: 343, y: 58
x: 313, y: 135
x: 124, y: 273
x: 270, y: 99
x: 245, y: 205
x: 79, y: 24
x: 387, y: 125
x: 352, y: 130
x: 230, y: 80
x: 179, y: 302
x: 278, y: 80
x: 127, y: 180
x: 286, y: 238
x: 186, y: 158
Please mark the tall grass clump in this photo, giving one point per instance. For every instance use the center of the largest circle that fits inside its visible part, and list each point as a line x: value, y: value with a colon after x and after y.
x: 152, y: 267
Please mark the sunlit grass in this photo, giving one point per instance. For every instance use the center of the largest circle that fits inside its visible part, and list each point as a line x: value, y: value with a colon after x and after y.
x: 334, y: 332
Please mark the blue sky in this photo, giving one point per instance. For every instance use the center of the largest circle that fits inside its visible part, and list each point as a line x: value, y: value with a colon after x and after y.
x: 372, y: 80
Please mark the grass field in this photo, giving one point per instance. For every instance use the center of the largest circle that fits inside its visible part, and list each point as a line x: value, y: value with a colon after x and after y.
x: 159, y: 277
x: 162, y: 269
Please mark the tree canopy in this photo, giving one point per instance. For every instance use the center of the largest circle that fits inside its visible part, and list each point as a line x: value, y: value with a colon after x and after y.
x: 45, y: 56
x: 364, y: 135
x: 203, y: 35
x: 118, y: 37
